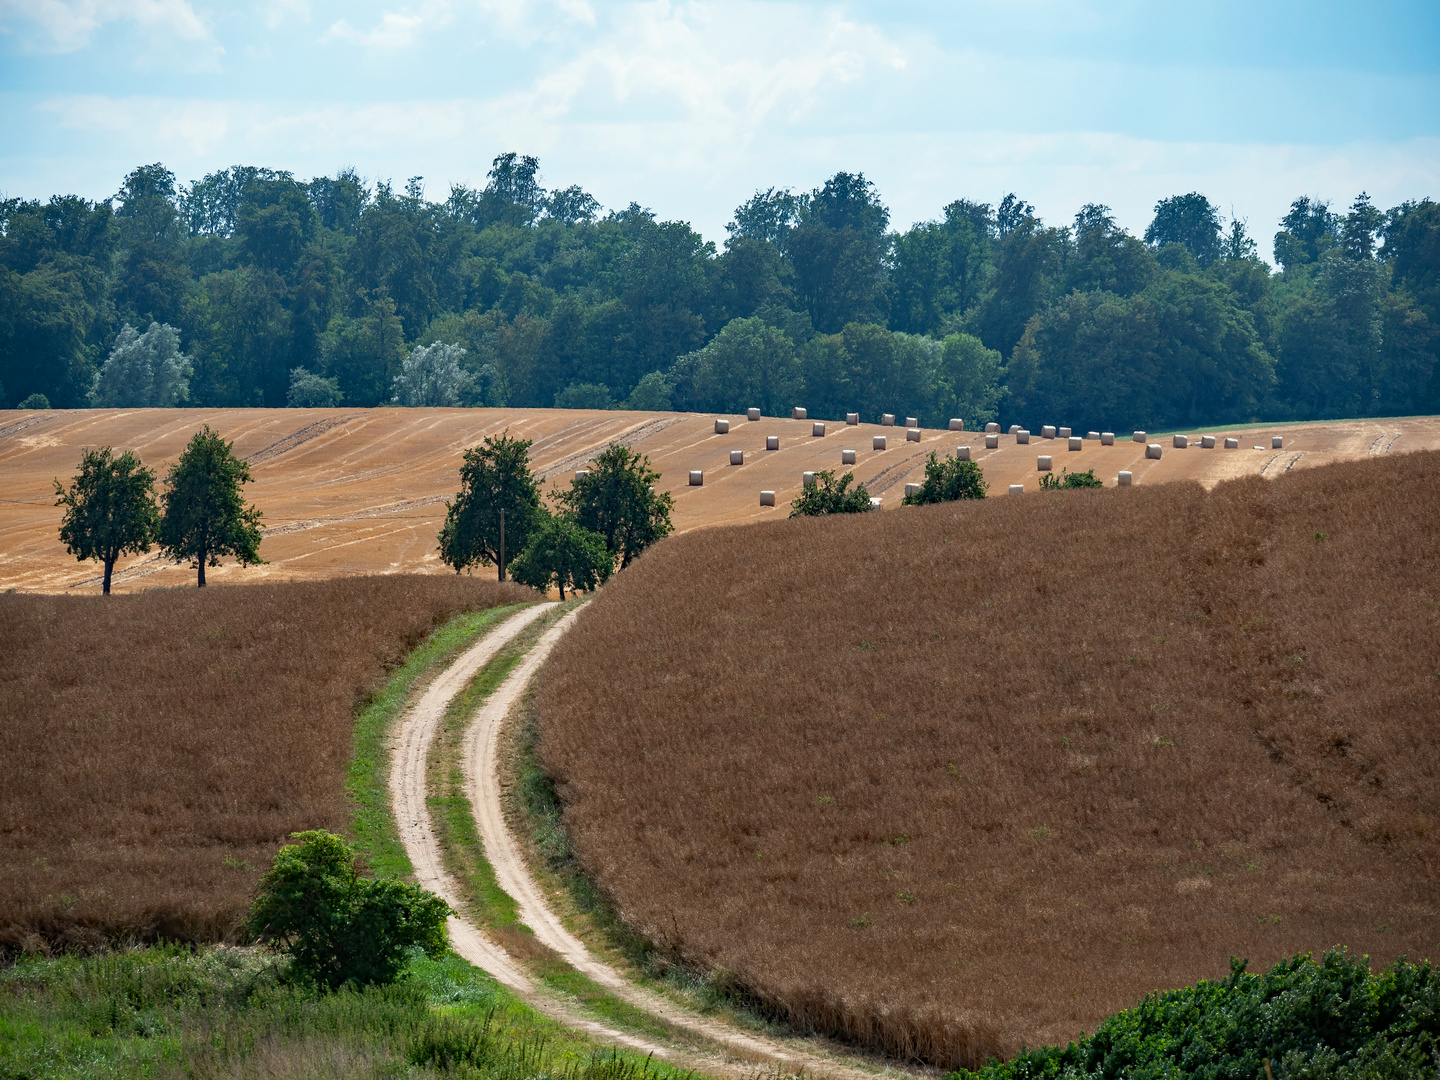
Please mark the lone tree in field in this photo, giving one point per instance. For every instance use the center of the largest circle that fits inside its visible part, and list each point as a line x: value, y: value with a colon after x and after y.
x: 337, y: 926
x: 109, y: 510
x: 205, y: 516
x: 562, y: 553
x: 948, y: 480
x: 617, y: 500
x: 494, y: 476
x: 831, y: 496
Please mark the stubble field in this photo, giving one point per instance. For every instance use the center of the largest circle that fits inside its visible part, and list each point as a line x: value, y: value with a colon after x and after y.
x: 959, y: 778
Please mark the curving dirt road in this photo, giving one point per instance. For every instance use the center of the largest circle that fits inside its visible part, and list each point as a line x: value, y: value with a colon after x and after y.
x: 739, y: 1052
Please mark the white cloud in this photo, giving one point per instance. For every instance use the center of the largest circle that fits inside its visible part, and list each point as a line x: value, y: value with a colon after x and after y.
x: 395, y: 30
x: 69, y: 24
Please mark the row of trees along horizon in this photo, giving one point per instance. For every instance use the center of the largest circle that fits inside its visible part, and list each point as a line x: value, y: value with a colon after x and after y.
x: 252, y: 288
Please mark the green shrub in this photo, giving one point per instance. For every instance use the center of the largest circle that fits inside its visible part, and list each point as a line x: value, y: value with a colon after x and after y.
x: 35, y: 401
x: 337, y: 926
x: 1327, y: 1021
x: 830, y: 496
x: 1068, y: 480
x: 948, y: 480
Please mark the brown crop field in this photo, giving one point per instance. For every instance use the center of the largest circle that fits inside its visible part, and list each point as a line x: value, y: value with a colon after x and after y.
x: 956, y: 778
x: 347, y: 491
x: 156, y: 749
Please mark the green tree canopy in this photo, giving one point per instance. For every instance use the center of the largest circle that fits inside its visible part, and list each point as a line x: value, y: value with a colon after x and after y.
x: 947, y: 480
x: 204, y: 516
x: 1191, y: 220
x: 494, y: 476
x: 827, y: 495
x: 1068, y: 481
x: 617, y: 500
x: 144, y: 371
x: 560, y: 552
x: 109, y: 509
x: 337, y: 926
x: 432, y: 376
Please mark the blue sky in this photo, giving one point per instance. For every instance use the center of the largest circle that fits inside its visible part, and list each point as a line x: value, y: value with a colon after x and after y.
x: 688, y: 108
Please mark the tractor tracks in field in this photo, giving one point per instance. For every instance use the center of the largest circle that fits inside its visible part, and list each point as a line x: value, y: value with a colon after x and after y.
x: 704, y: 1044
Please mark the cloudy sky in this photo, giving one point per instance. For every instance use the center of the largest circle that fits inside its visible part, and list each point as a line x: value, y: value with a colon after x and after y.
x: 688, y: 108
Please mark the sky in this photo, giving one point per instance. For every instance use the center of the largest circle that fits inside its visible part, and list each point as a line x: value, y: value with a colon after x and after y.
x: 689, y: 108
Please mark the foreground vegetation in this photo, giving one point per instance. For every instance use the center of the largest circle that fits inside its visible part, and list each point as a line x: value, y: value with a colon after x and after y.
x: 958, y: 778
x: 252, y: 287
x: 158, y: 747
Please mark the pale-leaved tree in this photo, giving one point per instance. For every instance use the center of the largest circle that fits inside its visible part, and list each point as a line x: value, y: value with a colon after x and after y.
x: 432, y: 377
x: 143, y: 371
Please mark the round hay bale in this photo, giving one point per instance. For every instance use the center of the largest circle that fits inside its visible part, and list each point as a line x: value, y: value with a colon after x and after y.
x: 772, y: 442
x: 910, y: 422
x: 956, y: 424
x: 1140, y: 436
x: 875, y: 501
x: 737, y: 457
x: 847, y: 457
x: 1123, y: 479
x: 1152, y: 451
x: 877, y: 443
x: 992, y: 428
x: 887, y: 419
x: 767, y: 498
x: 807, y: 479
x: 912, y: 434
x: 797, y: 414
x: 1232, y: 444
x: 1042, y: 463
x: 1022, y: 437
x: 1016, y: 489
x: 852, y: 418
x: 1064, y: 433
x: 912, y: 489
x: 1075, y: 442
x: 697, y: 477
x: 1180, y: 442
x: 752, y: 414
x: 817, y: 430
x: 1277, y: 442
x: 1014, y: 429
x: 962, y: 453
x: 1107, y: 438
x: 1092, y: 435
x: 580, y: 474
x: 722, y: 427
x: 992, y: 441
x: 1047, y: 431
x: 1207, y: 442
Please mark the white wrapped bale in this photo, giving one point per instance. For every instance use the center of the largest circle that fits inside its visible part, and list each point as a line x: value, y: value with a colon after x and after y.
x: 737, y: 457
x: 767, y: 498
x: 722, y: 427
x: 1064, y: 433
x: 1180, y: 442
x: 956, y: 424
x: 1277, y: 442
x: 852, y: 418
x: 1140, y: 436
x: 912, y: 489
x: 807, y: 479
x: 580, y: 474
x: 1022, y: 437
x: 992, y: 428
x: 651, y: 489
x: 697, y: 477
x: 1152, y: 451
x: 877, y: 443
x: 1207, y: 442
x: 962, y: 453
x: 1232, y: 444
x: 1042, y: 463
x: 752, y: 414
x: 847, y: 457
x: 772, y: 442
x: 1047, y: 431
x: 887, y: 420
x: 992, y: 441
x: 1017, y: 489
x: 875, y: 502
x: 910, y: 422
x: 797, y: 414
x: 1014, y: 429
x: 1075, y: 442
x: 817, y: 430
x: 1123, y: 479
x: 1092, y: 435
x: 912, y: 434
x: 1107, y: 438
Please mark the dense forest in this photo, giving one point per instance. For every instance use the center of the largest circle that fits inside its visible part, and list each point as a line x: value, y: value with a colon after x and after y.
x: 250, y: 287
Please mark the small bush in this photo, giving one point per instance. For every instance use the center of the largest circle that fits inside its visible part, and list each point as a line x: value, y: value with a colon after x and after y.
x: 337, y: 926
x: 948, y: 480
x: 35, y: 401
x: 1068, y: 480
x: 831, y: 496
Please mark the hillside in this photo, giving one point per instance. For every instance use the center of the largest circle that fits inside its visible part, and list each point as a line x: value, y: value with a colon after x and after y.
x: 349, y: 491
x: 959, y: 778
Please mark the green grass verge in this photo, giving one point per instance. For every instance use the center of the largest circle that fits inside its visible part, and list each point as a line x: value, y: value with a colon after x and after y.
x: 372, y: 828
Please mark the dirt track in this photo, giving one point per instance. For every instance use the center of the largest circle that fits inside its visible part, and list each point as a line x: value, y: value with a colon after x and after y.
x: 736, y: 1053
x: 349, y: 491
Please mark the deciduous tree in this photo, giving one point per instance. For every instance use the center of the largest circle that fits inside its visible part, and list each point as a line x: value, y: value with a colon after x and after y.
x: 562, y: 553
x: 110, y: 509
x: 828, y: 495
x: 494, y: 476
x: 947, y: 480
x: 617, y: 500
x: 204, y: 513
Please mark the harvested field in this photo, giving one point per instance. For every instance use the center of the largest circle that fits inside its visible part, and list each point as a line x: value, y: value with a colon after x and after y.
x: 156, y: 749
x: 957, y: 778
x: 362, y: 491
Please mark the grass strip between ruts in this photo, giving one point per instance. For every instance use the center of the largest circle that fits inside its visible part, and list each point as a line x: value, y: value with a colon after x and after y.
x: 463, y: 853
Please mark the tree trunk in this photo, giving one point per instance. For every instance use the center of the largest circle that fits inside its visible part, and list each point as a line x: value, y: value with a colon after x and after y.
x: 202, y: 571
x: 562, y: 590
x: 109, y: 567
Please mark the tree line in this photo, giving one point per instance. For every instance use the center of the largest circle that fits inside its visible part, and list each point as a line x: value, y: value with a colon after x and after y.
x: 250, y: 287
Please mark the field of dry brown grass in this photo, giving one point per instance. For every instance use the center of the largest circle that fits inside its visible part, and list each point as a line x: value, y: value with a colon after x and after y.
x: 155, y: 749
x: 957, y: 778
